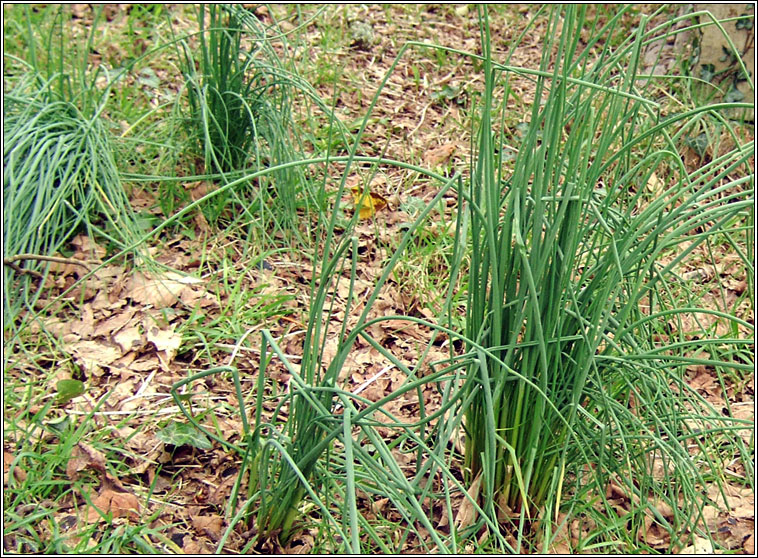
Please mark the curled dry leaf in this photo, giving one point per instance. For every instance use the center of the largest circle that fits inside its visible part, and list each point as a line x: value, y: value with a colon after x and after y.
x: 166, y: 341
x: 378, y: 506
x: 87, y: 249
x: 93, y: 355
x: 114, y: 323
x: 467, y: 511
x: 129, y: 339
x: 163, y: 291
x: 561, y: 541
x: 749, y: 544
x: 193, y: 546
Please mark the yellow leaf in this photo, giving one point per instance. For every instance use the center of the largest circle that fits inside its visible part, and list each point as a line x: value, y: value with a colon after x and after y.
x: 367, y: 203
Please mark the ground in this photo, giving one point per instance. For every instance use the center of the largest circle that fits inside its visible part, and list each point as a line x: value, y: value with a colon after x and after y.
x: 131, y: 336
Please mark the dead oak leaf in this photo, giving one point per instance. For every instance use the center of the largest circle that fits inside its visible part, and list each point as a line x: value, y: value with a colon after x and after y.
x: 19, y: 475
x: 749, y: 545
x: 700, y: 546
x: 193, y: 546
x: 87, y: 249
x: 114, y: 323
x: 85, y: 327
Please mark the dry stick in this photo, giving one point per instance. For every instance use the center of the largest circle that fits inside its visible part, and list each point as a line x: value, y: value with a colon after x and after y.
x: 10, y: 262
x: 22, y: 271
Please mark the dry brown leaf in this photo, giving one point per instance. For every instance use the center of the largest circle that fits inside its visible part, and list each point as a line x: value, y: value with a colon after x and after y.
x: 210, y: 525
x: 439, y: 155
x: 302, y: 543
x: 656, y: 536
x: 192, y: 546
x: 163, y: 291
x: 378, y: 506
x: 118, y: 504
x: 129, y: 339
x: 700, y: 546
x: 19, y: 475
x: 85, y: 327
x: 741, y: 500
x: 86, y: 248
x: 145, y: 364
x: 198, y: 189
x: 125, y: 361
x: 749, y: 545
x: 467, y: 512
x: 84, y: 456
x: 113, y: 324
x: 165, y: 339
x: 654, y: 184
x: 92, y: 356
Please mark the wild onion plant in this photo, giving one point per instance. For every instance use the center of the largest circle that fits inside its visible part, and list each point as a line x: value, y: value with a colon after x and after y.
x: 286, y: 449
x: 240, y: 115
x: 60, y: 175
x: 571, y: 283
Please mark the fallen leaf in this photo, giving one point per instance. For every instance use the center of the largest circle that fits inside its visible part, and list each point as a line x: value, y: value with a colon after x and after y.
x: 115, y: 322
x: 561, y: 545
x: 19, y: 475
x: 209, y: 525
x: 86, y: 248
x: 700, y: 546
x: 654, y: 184
x: 166, y: 341
x: 129, y: 338
x: 467, y: 512
x: 749, y: 545
x: 163, y: 291
x: 195, y: 547
x: 439, y: 155
x: 93, y: 355
x: 378, y: 506
x: 118, y: 504
x: 367, y: 203
x: 85, y: 327
x: 84, y: 456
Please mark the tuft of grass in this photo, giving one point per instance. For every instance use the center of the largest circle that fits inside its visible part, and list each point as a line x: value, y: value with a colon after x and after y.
x: 60, y: 174
x: 240, y: 117
x: 60, y: 178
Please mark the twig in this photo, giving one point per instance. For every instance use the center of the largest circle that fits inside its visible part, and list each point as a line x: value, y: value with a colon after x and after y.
x: 10, y: 262
x: 21, y: 271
